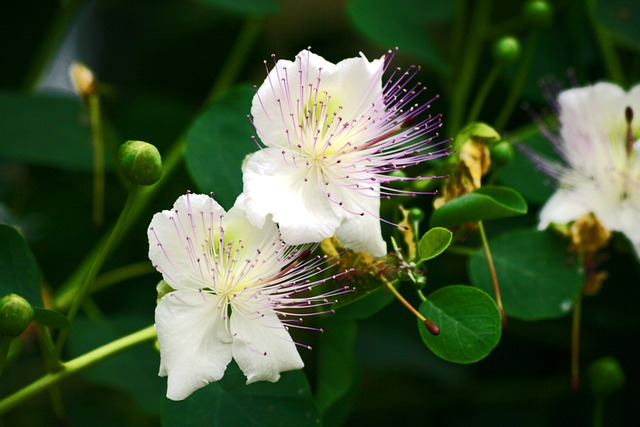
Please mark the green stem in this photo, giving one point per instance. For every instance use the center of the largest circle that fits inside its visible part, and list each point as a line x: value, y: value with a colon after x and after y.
x: 51, y: 43
x: 421, y: 295
x: 457, y: 36
x: 518, y: 82
x: 98, y: 158
x: 48, y: 348
x: 483, y: 92
x: 431, y: 327
x: 471, y: 56
x: 5, y: 344
x: 492, y: 270
x: 85, y: 287
x: 607, y: 47
x: 74, y: 366
x: 575, y: 344
x: 598, y: 412
x: 461, y: 250
x: 170, y: 161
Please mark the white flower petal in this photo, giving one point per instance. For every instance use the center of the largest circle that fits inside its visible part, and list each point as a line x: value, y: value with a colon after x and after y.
x: 563, y: 207
x: 272, y: 187
x: 263, y: 347
x: 176, y: 238
x: 195, y: 347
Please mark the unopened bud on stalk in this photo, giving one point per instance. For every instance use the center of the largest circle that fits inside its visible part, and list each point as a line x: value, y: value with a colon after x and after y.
x: 605, y: 377
x: 140, y: 162
x: 15, y: 315
x: 502, y: 153
x: 538, y: 14
x: 82, y: 79
x: 506, y: 50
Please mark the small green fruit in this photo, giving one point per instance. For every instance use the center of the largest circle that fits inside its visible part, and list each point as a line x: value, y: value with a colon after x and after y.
x: 502, y: 153
x: 538, y: 13
x: 605, y: 377
x: 506, y: 50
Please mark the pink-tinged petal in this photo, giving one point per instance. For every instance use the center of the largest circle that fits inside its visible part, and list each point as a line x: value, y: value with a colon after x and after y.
x: 180, y: 239
x: 302, y: 210
x: 262, y: 346
x: 195, y: 347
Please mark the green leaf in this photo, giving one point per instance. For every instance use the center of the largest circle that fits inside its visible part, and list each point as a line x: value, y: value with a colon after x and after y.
x: 246, y: 7
x: 19, y: 272
x: 486, y: 203
x: 230, y: 403
x: 433, y: 243
x: 134, y: 371
x: 336, y: 362
x: 51, y: 318
x: 537, y: 278
x: 522, y: 174
x: 45, y: 130
x: 218, y: 142
x: 469, y: 322
x: 621, y: 17
x: 403, y: 24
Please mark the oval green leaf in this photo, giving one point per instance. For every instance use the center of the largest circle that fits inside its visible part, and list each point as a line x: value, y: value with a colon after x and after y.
x: 403, y: 24
x: 469, y: 322
x: 51, y: 318
x: 486, y: 203
x: 19, y: 272
x: 433, y: 243
x: 45, y: 130
x: 218, y: 142
x: 230, y: 402
x: 536, y: 275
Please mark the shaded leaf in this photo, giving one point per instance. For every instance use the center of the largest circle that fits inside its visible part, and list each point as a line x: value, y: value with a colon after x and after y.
x: 485, y: 203
x: 538, y: 280
x: 403, y: 24
x: 434, y: 242
x: 246, y: 7
x: 469, y: 322
x: 218, y: 142
x: 621, y: 17
x: 230, y: 403
x: 19, y: 272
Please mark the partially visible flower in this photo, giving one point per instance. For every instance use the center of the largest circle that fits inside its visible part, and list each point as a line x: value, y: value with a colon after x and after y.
x: 599, y: 142
x: 331, y: 135
x: 233, y: 285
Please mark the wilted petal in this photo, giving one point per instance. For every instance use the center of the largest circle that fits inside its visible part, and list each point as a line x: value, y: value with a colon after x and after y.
x: 195, y: 347
x: 262, y: 346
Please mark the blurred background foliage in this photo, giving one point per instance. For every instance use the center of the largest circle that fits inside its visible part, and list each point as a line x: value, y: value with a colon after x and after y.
x: 160, y: 62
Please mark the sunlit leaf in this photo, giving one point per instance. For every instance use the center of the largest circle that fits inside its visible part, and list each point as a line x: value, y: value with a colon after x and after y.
x: 538, y: 279
x: 469, y: 322
x: 19, y: 272
x: 45, y: 130
x: 403, y: 24
x: 485, y: 203
x: 218, y: 142
x: 434, y: 242
x: 230, y: 402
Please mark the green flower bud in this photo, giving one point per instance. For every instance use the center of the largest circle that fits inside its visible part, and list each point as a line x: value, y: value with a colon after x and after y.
x: 501, y: 153
x: 15, y: 315
x: 605, y: 377
x: 538, y: 14
x: 140, y: 162
x: 416, y: 214
x: 506, y: 50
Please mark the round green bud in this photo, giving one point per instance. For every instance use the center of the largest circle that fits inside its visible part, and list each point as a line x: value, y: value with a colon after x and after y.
x: 140, y: 162
x: 15, y: 315
x: 538, y: 13
x: 506, y: 50
x: 501, y: 153
x: 605, y: 376
x: 416, y: 214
